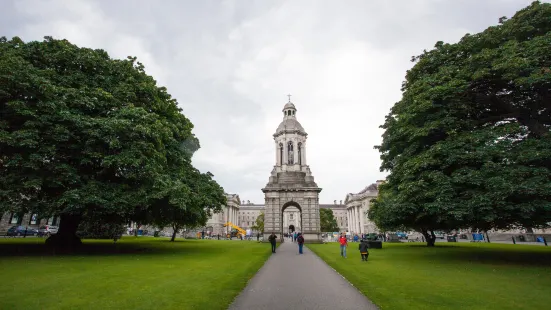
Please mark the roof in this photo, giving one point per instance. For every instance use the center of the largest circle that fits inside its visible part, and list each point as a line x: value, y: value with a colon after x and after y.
x: 289, y: 105
x: 290, y: 124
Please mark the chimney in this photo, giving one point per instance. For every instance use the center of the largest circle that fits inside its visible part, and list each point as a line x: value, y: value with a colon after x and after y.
x: 248, y: 202
x: 335, y: 201
x: 243, y: 202
x: 341, y: 202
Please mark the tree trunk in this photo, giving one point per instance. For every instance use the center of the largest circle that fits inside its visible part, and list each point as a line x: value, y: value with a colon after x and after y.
x: 66, y: 236
x: 175, y: 231
x: 430, y: 238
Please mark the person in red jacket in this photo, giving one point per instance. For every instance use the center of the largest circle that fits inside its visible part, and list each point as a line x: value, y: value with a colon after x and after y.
x: 344, y: 244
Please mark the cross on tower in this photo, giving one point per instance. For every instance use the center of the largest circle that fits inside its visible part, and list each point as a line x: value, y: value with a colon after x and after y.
x: 289, y: 97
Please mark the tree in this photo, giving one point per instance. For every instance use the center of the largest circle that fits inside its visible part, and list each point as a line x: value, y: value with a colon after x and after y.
x: 259, y: 223
x: 83, y: 133
x: 190, y: 200
x: 468, y: 145
x: 327, y: 221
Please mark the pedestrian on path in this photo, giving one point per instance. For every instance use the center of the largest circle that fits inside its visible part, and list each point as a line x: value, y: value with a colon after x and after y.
x: 364, y: 249
x: 344, y: 244
x: 300, y: 241
x: 272, y: 240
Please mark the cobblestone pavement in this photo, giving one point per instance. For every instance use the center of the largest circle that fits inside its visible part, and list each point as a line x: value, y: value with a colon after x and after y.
x: 292, y: 281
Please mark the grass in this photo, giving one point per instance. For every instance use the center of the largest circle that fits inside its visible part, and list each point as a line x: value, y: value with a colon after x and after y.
x: 136, y: 273
x: 459, y: 276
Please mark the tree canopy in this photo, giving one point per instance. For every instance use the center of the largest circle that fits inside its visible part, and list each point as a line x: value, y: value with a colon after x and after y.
x: 328, y: 222
x: 259, y: 223
x: 468, y: 145
x: 82, y: 133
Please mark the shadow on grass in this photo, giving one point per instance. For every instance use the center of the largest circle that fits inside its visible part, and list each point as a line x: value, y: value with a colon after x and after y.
x: 108, y: 248
x: 485, y: 254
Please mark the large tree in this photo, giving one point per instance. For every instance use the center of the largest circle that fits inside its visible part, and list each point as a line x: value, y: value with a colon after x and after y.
x: 82, y: 133
x: 469, y: 144
x: 328, y: 221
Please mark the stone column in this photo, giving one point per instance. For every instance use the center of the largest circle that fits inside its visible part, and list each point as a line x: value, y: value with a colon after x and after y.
x: 353, y: 218
x: 295, y: 152
x: 285, y: 153
x: 277, y: 154
x: 347, y: 219
x: 356, y: 219
x: 303, y: 153
x: 362, y: 228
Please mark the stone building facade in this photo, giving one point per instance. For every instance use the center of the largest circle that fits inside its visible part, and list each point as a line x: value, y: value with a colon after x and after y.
x: 249, y: 212
x: 291, y: 183
x: 357, y: 206
x: 230, y: 213
x: 9, y: 219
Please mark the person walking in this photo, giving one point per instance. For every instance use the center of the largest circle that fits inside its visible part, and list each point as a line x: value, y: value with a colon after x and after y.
x: 344, y: 243
x: 364, y: 249
x: 272, y: 240
x: 300, y: 241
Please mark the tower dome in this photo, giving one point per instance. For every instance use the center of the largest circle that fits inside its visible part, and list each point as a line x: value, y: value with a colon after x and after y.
x: 289, y: 124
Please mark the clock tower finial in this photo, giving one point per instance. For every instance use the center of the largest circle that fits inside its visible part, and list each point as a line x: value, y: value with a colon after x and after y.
x: 289, y: 98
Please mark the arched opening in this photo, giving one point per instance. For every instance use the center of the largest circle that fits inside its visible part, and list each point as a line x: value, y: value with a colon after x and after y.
x: 291, y: 218
x: 290, y: 157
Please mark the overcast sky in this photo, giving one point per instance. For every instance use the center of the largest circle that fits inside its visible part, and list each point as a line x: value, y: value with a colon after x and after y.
x: 230, y: 64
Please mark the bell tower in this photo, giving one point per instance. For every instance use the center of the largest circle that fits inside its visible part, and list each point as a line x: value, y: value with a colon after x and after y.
x: 291, y: 182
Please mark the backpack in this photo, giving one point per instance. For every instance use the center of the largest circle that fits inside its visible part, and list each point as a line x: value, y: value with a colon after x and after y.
x: 300, y: 239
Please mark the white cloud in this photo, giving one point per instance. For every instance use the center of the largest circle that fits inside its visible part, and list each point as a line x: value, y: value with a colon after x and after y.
x: 231, y: 63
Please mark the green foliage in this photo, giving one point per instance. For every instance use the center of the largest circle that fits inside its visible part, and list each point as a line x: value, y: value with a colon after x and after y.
x: 259, y: 223
x: 83, y: 133
x: 469, y: 144
x: 327, y: 221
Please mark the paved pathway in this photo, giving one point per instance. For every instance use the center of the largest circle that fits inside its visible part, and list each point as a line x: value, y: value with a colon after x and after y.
x: 292, y: 281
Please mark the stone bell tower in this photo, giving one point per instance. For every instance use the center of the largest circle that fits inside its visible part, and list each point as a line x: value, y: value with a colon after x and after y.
x: 291, y: 182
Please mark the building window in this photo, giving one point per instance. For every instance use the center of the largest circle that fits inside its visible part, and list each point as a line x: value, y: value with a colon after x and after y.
x: 34, y: 219
x: 290, y: 159
x: 14, y: 219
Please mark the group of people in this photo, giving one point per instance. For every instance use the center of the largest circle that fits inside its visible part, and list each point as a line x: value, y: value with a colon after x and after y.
x: 298, y: 237
x: 363, y: 247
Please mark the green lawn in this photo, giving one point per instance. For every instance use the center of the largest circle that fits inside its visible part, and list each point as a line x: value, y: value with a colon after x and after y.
x: 459, y: 276
x: 136, y: 273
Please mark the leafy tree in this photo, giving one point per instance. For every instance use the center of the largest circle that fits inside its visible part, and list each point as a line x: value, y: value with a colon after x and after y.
x: 259, y: 223
x: 469, y: 144
x: 327, y: 220
x: 189, y: 201
x: 83, y: 133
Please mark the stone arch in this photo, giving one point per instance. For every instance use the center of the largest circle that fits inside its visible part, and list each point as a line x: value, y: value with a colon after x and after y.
x: 283, y: 208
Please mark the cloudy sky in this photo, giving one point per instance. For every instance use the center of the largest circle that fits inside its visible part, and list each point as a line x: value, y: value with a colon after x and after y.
x: 231, y: 64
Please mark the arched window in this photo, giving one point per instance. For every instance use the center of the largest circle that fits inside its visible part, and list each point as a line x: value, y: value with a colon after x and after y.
x: 281, y: 154
x: 290, y: 158
x: 299, y: 146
